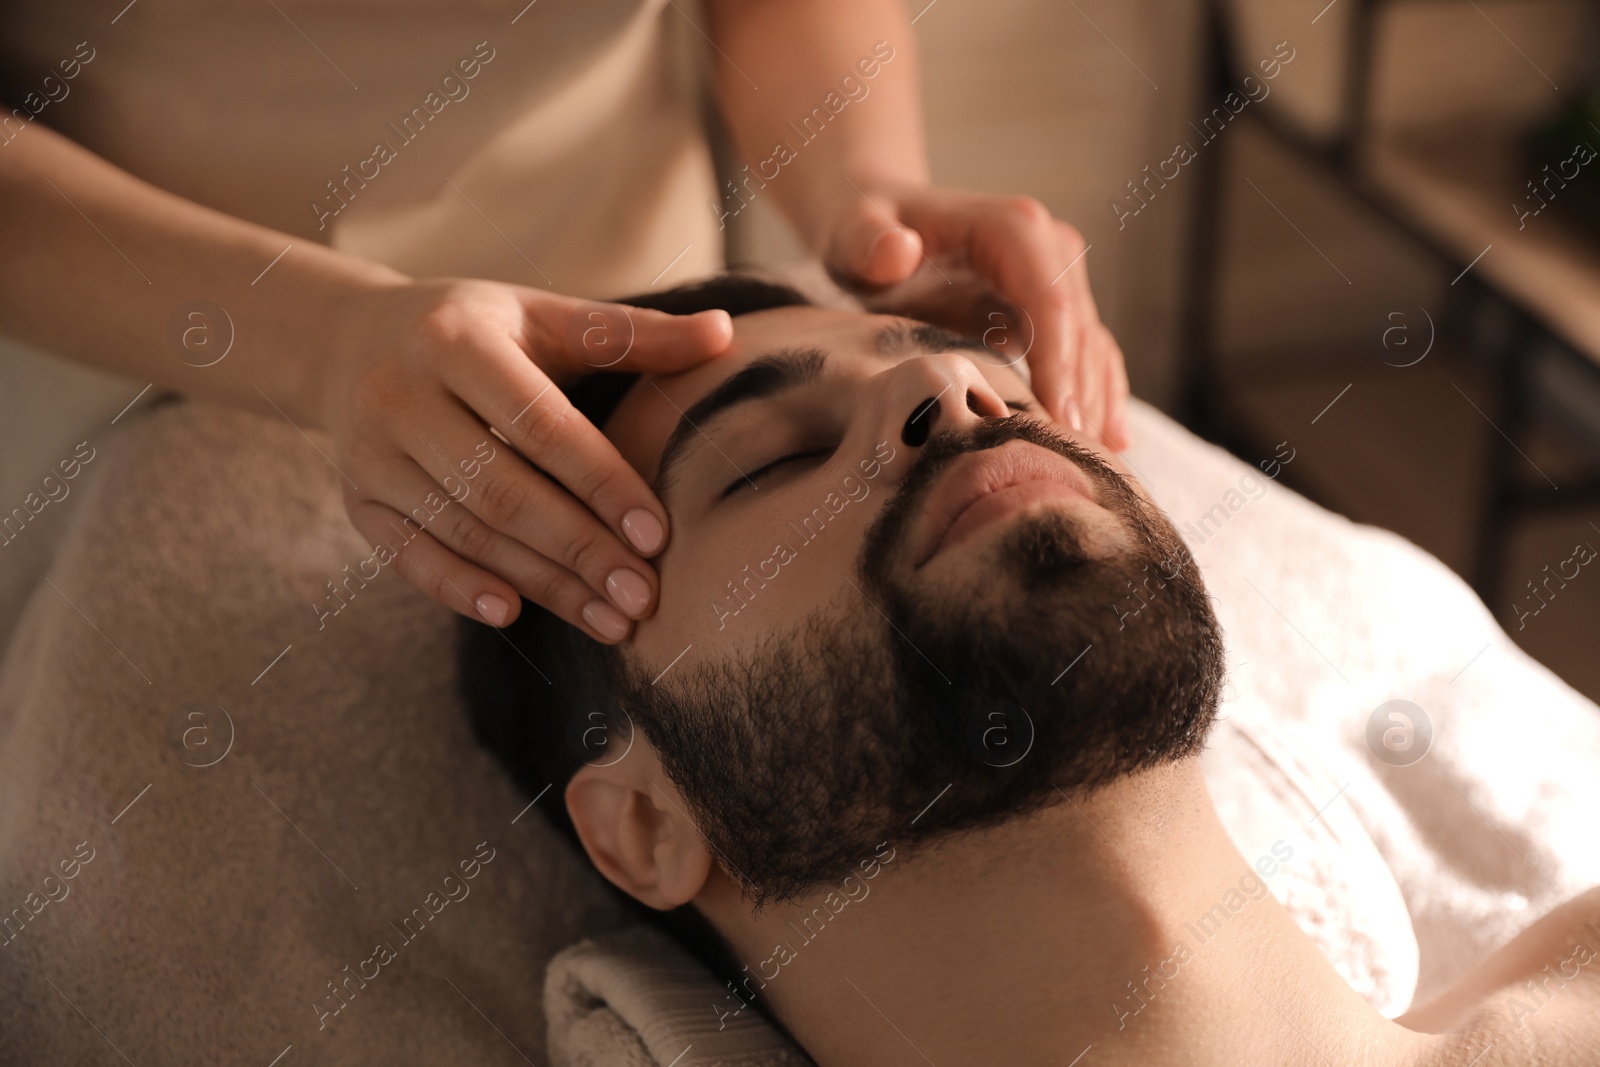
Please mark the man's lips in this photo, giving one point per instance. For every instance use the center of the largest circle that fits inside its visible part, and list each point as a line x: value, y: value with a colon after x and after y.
x: 980, y: 486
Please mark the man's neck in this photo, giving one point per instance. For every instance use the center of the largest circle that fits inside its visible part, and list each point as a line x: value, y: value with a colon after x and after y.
x: 1127, y: 922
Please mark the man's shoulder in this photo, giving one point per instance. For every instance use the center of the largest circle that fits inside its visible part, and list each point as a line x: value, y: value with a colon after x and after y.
x: 1562, y: 1033
x: 1535, y: 1000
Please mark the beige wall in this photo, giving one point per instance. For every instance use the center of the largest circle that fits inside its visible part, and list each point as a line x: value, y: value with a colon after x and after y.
x: 1436, y: 60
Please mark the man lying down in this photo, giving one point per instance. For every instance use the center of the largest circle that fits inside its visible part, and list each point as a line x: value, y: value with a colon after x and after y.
x: 892, y: 643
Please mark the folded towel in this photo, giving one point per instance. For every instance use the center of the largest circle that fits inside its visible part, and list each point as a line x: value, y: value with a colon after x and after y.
x: 633, y: 998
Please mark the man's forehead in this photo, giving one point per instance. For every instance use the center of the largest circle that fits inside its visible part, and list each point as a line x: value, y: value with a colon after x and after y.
x: 646, y: 416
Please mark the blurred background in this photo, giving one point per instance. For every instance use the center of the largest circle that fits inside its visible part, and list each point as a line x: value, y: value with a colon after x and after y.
x: 1380, y: 249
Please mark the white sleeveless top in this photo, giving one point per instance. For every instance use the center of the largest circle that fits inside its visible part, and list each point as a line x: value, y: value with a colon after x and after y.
x: 554, y: 143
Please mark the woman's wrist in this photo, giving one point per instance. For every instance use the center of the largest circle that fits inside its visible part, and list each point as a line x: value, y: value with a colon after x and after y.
x: 333, y: 309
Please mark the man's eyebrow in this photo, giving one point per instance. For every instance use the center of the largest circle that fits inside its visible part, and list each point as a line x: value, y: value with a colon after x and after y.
x: 907, y: 338
x: 766, y: 376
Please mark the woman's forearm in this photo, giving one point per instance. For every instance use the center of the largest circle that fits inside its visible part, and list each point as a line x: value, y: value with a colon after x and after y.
x: 815, y: 103
x: 98, y: 265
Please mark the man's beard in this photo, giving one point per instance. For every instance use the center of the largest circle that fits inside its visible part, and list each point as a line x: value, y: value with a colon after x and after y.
x: 912, y: 717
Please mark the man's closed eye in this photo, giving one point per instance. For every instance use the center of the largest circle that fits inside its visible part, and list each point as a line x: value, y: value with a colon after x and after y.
x: 748, y: 481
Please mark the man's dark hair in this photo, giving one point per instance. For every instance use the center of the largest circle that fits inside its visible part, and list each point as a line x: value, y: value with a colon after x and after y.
x: 597, y: 395
x: 535, y: 689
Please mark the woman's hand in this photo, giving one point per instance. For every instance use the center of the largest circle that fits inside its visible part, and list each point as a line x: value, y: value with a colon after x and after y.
x: 424, y: 370
x: 1001, y: 268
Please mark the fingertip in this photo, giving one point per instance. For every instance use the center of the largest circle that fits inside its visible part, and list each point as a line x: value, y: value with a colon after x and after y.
x: 718, y: 326
x: 1064, y: 410
x: 606, y: 621
x: 644, y: 531
x: 495, y: 609
x: 1061, y: 407
x: 892, y: 255
x: 1124, y: 434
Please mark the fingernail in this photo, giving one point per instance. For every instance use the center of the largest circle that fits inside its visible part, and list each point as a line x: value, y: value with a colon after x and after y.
x: 724, y: 323
x: 883, y: 235
x: 644, y: 530
x: 1074, y: 418
x: 872, y: 247
x: 494, y: 609
x: 604, y: 618
x: 629, y: 590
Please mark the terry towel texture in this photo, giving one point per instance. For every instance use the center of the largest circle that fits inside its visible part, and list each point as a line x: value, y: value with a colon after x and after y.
x: 267, y: 798
x: 633, y: 998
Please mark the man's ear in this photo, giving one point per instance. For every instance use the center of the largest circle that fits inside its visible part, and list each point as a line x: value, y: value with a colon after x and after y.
x: 636, y: 830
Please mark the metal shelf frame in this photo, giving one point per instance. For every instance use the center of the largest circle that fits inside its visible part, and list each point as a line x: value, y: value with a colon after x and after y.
x: 1205, y: 404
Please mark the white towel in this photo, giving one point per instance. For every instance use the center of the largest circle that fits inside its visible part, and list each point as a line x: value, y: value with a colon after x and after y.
x: 1410, y: 874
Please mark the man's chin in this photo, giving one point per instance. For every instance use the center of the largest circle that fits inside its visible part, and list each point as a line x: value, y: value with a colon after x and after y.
x: 1043, y: 552
x: 1035, y: 552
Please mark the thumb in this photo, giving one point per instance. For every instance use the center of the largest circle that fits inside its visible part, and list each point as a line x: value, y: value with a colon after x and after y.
x: 597, y: 336
x: 869, y: 250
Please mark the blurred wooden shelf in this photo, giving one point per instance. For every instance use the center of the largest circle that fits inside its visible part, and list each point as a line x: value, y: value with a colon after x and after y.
x: 1459, y: 196
x: 1462, y: 195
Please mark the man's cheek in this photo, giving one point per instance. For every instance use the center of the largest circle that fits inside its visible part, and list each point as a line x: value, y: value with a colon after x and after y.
x: 792, y: 562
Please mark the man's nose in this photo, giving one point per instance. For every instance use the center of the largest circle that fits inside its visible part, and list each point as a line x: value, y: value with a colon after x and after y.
x: 938, y: 392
